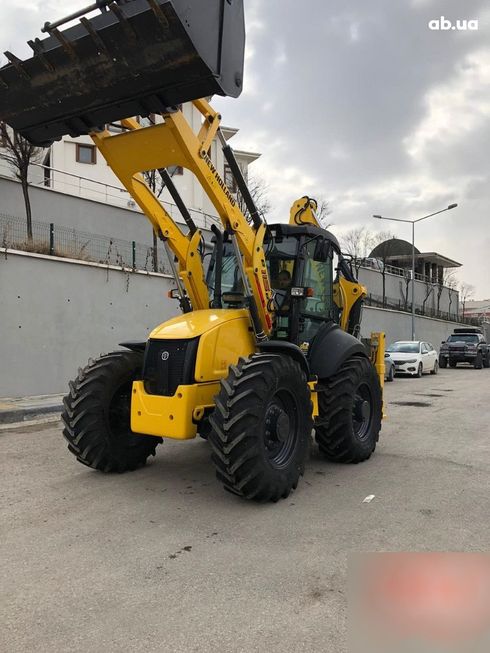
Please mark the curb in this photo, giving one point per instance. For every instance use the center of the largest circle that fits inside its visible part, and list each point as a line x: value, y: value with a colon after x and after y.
x: 19, y: 415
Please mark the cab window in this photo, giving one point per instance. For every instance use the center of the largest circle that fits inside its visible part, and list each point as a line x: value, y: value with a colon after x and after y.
x: 317, y: 306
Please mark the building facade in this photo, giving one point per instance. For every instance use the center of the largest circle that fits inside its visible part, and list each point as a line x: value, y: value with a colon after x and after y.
x: 75, y: 166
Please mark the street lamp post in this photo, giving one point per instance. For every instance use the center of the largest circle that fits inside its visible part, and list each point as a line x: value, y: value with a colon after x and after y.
x: 412, y: 222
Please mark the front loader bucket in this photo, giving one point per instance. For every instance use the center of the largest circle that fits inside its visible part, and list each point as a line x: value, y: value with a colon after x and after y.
x: 136, y: 57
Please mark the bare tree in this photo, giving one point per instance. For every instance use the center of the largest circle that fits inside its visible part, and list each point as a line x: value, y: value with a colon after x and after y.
x: 322, y: 212
x: 259, y: 191
x: 448, y: 281
x: 452, y: 285
x: 404, y: 287
x: 156, y: 184
x: 385, y: 240
x: 358, y: 243
x: 20, y: 154
x: 466, y: 291
x: 429, y: 289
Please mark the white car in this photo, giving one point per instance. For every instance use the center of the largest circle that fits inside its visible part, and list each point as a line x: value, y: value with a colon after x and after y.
x: 414, y: 357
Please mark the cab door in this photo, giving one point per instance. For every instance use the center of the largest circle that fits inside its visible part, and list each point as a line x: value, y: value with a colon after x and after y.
x: 316, y: 306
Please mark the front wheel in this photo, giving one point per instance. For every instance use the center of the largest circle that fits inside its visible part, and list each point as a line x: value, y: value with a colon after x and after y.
x: 350, y: 407
x: 442, y: 362
x: 452, y: 363
x: 420, y: 371
x: 435, y: 369
x: 478, y: 364
x: 261, y: 427
x: 97, y: 415
x: 391, y: 374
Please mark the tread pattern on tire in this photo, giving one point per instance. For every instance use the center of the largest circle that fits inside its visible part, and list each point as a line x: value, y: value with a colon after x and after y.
x: 237, y: 421
x: 86, y: 419
x: 334, y: 433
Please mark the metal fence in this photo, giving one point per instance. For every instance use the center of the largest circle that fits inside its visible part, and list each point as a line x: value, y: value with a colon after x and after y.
x: 379, y: 266
x: 55, y: 240
x: 99, y: 191
x: 377, y: 301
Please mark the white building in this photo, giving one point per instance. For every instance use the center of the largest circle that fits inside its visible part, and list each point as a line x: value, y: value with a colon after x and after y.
x: 75, y: 166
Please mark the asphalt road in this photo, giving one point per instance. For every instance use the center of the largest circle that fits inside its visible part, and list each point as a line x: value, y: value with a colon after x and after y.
x: 162, y: 559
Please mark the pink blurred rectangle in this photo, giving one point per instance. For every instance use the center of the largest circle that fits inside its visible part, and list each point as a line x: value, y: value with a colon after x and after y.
x: 419, y: 602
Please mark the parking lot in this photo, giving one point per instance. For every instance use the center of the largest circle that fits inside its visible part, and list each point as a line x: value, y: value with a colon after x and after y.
x: 162, y: 559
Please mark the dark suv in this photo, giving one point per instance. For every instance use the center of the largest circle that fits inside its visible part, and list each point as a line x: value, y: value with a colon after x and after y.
x: 465, y: 345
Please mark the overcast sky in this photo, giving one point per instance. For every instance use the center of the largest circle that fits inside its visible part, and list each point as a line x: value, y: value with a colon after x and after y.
x: 359, y: 102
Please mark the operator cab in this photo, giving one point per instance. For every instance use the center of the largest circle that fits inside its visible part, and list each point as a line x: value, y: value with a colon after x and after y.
x: 304, y: 264
x: 300, y: 263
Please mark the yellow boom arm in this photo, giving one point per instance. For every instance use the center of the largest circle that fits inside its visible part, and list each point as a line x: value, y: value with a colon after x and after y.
x: 174, y: 143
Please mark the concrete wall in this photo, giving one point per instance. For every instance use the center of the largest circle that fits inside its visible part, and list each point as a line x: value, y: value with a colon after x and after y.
x: 56, y: 313
x: 395, y: 287
x: 75, y: 212
x: 78, y: 213
x: 398, y: 326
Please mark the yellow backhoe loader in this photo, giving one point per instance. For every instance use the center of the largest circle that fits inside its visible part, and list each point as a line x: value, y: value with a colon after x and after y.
x: 266, y: 348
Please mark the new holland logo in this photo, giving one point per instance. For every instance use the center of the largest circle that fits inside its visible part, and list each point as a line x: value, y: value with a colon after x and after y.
x: 165, y: 355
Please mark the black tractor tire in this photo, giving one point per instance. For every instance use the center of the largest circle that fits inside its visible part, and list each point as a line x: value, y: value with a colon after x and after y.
x: 442, y: 362
x: 420, y: 371
x: 350, y: 407
x: 391, y: 375
x: 435, y: 369
x: 478, y: 364
x: 261, y: 427
x: 452, y: 363
x: 97, y: 415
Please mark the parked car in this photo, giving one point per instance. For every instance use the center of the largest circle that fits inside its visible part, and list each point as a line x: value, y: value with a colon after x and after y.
x: 465, y: 345
x: 413, y: 357
x: 389, y: 367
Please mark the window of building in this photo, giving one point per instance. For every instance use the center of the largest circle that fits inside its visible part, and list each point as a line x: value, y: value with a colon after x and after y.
x: 86, y: 153
x: 175, y: 170
x: 230, y: 180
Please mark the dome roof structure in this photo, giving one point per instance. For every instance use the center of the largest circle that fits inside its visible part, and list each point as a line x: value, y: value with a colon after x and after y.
x: 391, y: 248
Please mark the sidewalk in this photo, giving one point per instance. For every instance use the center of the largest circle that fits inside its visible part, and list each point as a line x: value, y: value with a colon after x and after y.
x: 28, y: 409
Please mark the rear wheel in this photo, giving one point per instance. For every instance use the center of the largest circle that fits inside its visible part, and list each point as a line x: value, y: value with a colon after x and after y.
x: 350, y: 406
x: 97, y: 415
x: 435, y: 369
x: 261, y: 427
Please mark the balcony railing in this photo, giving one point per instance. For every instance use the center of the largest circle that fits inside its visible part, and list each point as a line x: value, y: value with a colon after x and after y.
x: 99, y: 191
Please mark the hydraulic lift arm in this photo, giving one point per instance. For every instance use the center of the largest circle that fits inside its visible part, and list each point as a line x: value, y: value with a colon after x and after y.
x: 174, y: 143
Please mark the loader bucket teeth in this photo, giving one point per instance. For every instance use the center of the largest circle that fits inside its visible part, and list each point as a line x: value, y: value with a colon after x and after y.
x: 134, y: 58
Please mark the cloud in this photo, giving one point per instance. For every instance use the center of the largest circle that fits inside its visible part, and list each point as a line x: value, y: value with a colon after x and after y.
x: 377, y: 113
